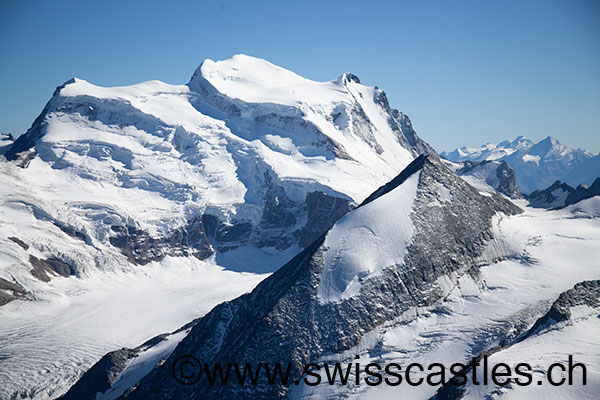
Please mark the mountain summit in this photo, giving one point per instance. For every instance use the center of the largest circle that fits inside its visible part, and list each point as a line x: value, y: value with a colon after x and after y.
x: 239, y: 169
x: 245, y: 161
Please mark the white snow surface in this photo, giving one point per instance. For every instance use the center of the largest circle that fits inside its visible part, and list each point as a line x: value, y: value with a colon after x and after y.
x: 152, y: 155
x: 258, y: 81
x: 5, y: 140
x: 150, y: 152
x: 366, y: 241
x: 46, y: 344
x: 531, y: 158
x: 555, y: 250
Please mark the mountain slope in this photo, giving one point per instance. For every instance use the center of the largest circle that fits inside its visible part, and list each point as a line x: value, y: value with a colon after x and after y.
x: 153, y: 169
x: 328, y: 297
x: 566, y: 331
x: 447, y: 311
x: 149, y: 178
x: 554, y: 195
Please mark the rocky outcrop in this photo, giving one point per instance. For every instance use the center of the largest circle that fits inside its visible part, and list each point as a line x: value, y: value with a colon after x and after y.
x: 322, y: 212
x: 104, y: 373
x: 497, y: 174
x: 44, y: 269
x: 18, y: 241
x: 560, y: 194
x: 583, y: 192
x: 586, y: 293
x: 553, y: 196
x: 101, y: 376
x: 10, y: 291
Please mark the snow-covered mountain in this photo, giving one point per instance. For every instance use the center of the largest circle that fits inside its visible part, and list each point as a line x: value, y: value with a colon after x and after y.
x: 130, y: 217
x: 427, y: 269
x: 536, y: 165
x: 327, y: 299
x: 568, y: 327
x: 241, y: 169
x: 586, y: 173
x: 246, y: 161
x: 488, y: 151
x: 554, y: 195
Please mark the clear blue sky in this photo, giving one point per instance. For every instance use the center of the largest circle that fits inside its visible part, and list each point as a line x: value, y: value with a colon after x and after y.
x: 466, y: 72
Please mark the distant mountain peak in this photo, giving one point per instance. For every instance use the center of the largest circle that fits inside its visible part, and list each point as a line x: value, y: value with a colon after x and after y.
x: 536, y: 165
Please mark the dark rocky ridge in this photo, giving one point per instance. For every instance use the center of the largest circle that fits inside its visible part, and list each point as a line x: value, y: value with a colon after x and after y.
x: 283, y: 319
x: 103, y: 374
x: 141, y: 248
x: 203, y: 235
x: 18, y: 241
x: 586, y: 293
x: 547, y: 199
x: 583, y: 192
x: 561, y: 194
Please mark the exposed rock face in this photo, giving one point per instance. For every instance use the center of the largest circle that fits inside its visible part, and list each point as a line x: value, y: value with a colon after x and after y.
x: 497, y: 174
x: 43, y: 269
x: 101, y: 376
x: 561, y: 194
x: 553, y: 196
x: 284, y: 320
x: 586, y: 293
x: 141, y: 248
x: 10, y: 291
x: 18, y: 241
x: 583, y: 192
x: 322, y: 212
x: 231, y: 169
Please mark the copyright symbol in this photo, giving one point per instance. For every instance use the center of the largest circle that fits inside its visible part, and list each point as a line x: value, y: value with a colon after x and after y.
x: 187, y: 370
